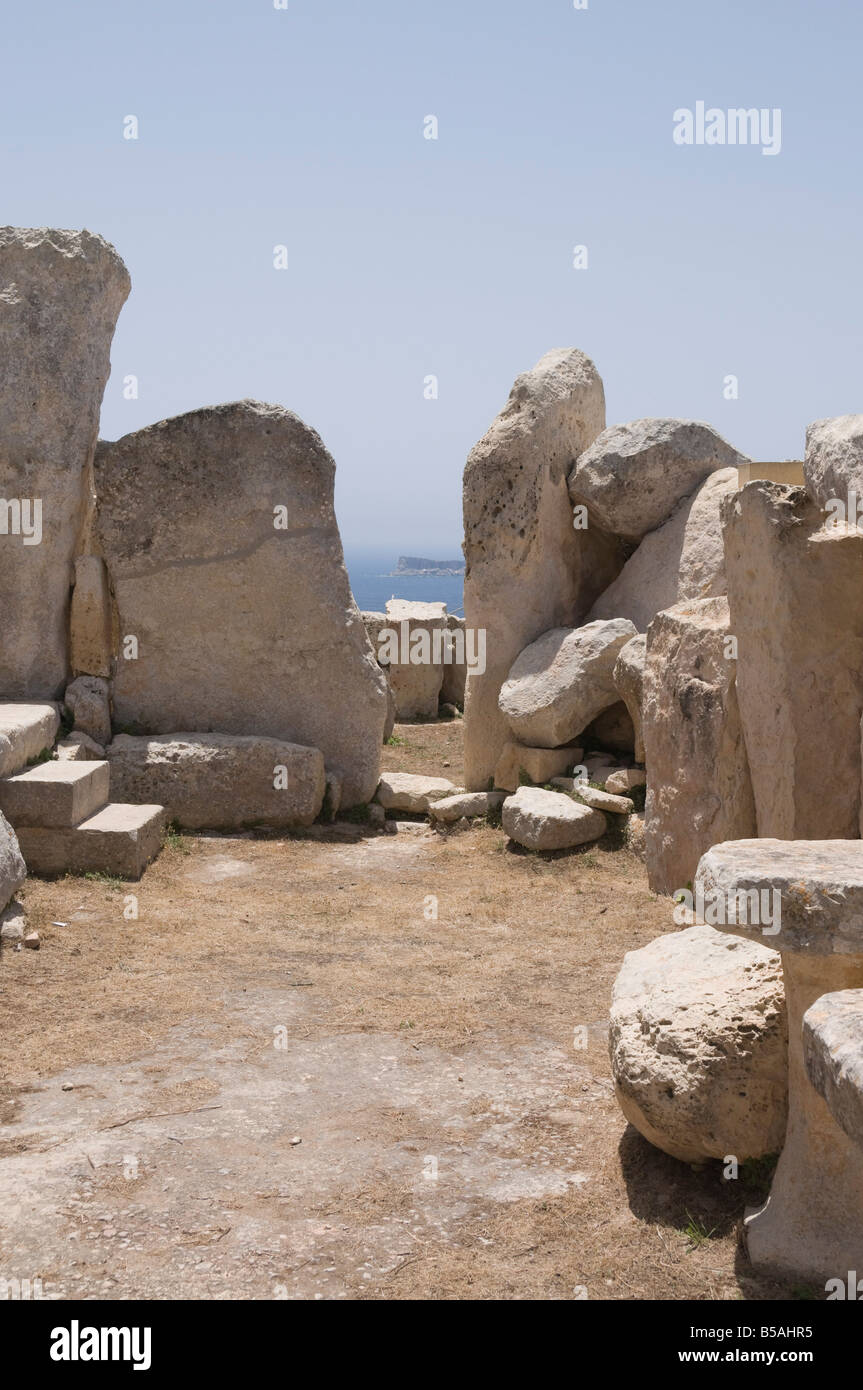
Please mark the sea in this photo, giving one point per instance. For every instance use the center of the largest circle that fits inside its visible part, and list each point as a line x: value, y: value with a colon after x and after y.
x: 373, y: 581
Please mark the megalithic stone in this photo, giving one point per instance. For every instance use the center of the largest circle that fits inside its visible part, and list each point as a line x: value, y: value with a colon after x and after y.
x: 60, y: 295
x: 811, y: 1225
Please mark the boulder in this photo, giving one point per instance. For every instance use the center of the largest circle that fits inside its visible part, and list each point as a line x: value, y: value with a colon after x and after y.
x: 600, y: 800
x: 60, y: 295
x: 13, y: 924
x: 537, y: 764
x: 682, y: 559
x: 88, y: 700
x: 795, y: 593
x: 520, y: 538
x: 628, y: 678
x: 545, y: 820
x: 90, y: 639
x: 625, y: 779
x: 833, y: 466
x: 698, y: 1044
x: 698, y: 786
x: 562, y: 681
x: 409, y: 791
x: 219, y: 781
x: 12, y: 868
x: 234, y: 607
x: 452, y: 808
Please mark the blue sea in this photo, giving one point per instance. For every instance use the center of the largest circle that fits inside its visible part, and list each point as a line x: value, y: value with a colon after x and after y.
x: 373, y: 582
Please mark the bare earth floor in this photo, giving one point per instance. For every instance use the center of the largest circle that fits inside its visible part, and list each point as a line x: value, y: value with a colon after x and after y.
x: 285, y: 1079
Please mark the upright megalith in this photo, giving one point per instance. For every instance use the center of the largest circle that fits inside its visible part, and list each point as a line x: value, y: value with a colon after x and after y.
x: 529, y: 568
x: 233, y: 608
x: 60, y: 295
x: 795, y: 592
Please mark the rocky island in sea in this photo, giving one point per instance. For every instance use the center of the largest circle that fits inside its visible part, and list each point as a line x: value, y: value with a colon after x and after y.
x: 414, y: 564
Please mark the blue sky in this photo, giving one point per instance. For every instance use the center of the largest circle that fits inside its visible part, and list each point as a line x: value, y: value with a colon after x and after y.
x: 409, y: 257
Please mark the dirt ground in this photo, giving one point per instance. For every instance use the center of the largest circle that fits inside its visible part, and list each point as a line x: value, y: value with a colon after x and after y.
x: 289, y: 1078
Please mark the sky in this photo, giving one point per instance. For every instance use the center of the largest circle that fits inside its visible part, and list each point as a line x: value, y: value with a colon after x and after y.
x: 305, y: 127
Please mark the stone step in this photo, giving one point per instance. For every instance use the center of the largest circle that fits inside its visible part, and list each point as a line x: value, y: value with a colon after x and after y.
x: 120, y: 839
x: 56, y: 794
x: 26, y: 730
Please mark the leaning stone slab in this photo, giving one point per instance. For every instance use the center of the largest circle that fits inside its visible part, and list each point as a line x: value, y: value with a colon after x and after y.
x: 562, y: 681
x: 469, y: 804
x: 544, y: 820
x: 26, y: 730
x: 520, y: 538
x: 698, y: 787
x: 90, y: 619
x: 633, y: 476
x: 237, y: 615
x: 220, y: 781
x: 833, y: 1053
x: 410, y: 791
x: 12, y: 868
x: 538, y: 765
x: 833, y: 466
x: 795, y: 593
x: 60, y: 295
x: 628, y: 678
x: 811, y: 1226
x: 699, y: 1045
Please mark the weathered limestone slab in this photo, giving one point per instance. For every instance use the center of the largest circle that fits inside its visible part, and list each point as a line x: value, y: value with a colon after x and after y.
x: 88, y: 700
x: 698, y: 787
x: 55, y: 794
x: 528, y: 568
x: 410, y: 791
x: 90, y: 640
x: 633, y: 476
x: 544, y: 820
x: 562, y: 681
x: 811, y: 1226
x: 625, y: 779
x: 833, y: 1055
x: 60, y: 295
x: 683, y: 559
x: 12, y: 870
x: 628, y: 678
x: 699, y: 1045
x: 220, y: 781
x: 219, y: 533
x: 597, y: 798
x: 26, y: 730
x: 118, y: 840
x: 416, y: 677
x: 833, y: 466
x: 539, y: 764
x: 469, y: 804
x: 795, y: 592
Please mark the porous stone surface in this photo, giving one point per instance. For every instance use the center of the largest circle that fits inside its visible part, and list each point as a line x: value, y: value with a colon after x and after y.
x: 562, y: 681
x: 698, y: 787
x: 79, y: 748
x: 795, y: 593
x: 26, y: 730
x: 13, y: 924
x: 60, y: 295
x: 596, y: 797
x: 219, y: 781
x: 683, y: 559
x: 536, y: 764
x: 633, y: 476
x: 628, y: 678
x: 55, y: 793
x: 520, y: 538
x: 833, y: 1053
x: 231, y: 580
x: 452, y: 808
x: 833, y: 464
x: 410, y: 791
x: 90, y: 619
x: 415, y: 678
x: 544, y: 820
x: 89, y: 702
x: 12, y: 869
x: 625, y: 779
x: 698, y: 1045
x: 119, y: 839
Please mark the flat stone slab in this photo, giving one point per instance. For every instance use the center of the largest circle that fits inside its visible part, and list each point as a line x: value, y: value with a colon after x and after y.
x: 452, y: 808
x: 410, y: 791
x: 833, y: 1053
x: 26, y: 730
x: 545, y: 820
x: 119, y: 840
x: 55, y: 794
x: 818, y: 885
x: 599, y: 800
